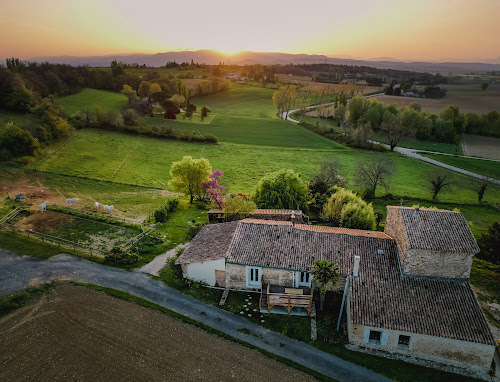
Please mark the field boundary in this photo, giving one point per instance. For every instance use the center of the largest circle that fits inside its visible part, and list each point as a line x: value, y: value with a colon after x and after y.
x: 54, y: 239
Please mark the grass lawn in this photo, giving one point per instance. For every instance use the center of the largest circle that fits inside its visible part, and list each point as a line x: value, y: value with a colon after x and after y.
x: 417, y: 144
x: 90, y: 98
x: 146, y: 161
x: 479, y: 166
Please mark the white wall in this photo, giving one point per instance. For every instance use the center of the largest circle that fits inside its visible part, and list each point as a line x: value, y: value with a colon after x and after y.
x: 204, y: 271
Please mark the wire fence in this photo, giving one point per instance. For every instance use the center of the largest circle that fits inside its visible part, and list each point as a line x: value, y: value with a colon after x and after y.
x: 54, y: 239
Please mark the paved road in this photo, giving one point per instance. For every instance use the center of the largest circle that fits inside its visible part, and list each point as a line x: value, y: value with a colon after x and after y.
x: 410, y: 152
x: 17, y: 272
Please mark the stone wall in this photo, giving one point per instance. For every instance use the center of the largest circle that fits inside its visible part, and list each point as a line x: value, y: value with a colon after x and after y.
x: 421, y: 262
x: 236, y: 276
x: 468, y: 358
x: 394, y: 228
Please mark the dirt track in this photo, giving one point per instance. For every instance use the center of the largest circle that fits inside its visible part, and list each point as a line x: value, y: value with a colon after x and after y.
x: 78, y: 334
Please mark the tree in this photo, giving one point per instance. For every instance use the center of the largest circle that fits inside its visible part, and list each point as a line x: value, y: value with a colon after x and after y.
x: 489, y: 243
x: 214, y: 190
x: 283, y: 190
x: 238, y: 205
x: 204, y: 112
x: 178, y: 100
x: 189, y: 174
x: 17, y: 142
x: 357, y: 107
x: 438, y: 182
x: 328, y: 176
x: 117, y: 68
x: 373, y: 174
x: 129, y: 92
x: 130, y: 117
x: 325, y: 274
x: 394, y: 129
x: 144, y: 89
x: 346, y: 209
x: 86, y: 116
x: 480, y: 188
x: 484, y: 85
x: 284, y: 98
x: 340, y: 115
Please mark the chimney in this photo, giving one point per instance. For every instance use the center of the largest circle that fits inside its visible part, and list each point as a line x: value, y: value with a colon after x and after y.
x: 416, y: 213
x: 355, y: 270
x: 293, y: 219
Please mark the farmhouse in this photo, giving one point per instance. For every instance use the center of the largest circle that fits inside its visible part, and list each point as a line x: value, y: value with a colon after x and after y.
x: 407, y: 292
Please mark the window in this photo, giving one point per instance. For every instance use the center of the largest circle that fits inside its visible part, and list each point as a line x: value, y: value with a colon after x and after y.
x: 253, y: 276
x: 375, y: 337
x: 304, y: 279
x: 404, y: 342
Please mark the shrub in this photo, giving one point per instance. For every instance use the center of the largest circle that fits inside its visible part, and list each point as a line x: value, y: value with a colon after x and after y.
x: 161, y: 215
x: 172, y: 204
x: 193, y: 230
x: 489, y: 242
x: 348, y: 210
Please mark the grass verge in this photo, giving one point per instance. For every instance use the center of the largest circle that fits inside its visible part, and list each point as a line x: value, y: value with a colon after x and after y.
x: 19, y: 299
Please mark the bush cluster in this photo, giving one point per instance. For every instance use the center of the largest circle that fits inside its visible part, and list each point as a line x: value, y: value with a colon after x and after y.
x: 161, y: 214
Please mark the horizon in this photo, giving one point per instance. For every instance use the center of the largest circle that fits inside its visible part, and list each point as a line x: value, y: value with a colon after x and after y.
x: 55, y: 28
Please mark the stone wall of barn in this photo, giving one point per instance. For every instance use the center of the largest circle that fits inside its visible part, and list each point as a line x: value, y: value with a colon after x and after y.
x: 419, y: 262
x: 394, y: 227
x: 467, y: 358
x: 236, y: 276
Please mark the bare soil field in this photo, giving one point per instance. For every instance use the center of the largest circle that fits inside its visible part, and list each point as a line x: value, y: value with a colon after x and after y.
x: 78, y: 334
x: 470, y: 98
x: 477, y: 145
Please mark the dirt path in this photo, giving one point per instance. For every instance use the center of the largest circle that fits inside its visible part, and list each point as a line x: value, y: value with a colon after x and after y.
x: 76, y: 333
x: 154, y: 267
x: 17, y: 272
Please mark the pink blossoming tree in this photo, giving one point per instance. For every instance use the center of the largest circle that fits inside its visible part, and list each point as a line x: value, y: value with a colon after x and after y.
x: 214, y: 190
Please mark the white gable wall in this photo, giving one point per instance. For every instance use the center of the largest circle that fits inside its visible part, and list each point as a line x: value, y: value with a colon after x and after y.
x: 205, y: 271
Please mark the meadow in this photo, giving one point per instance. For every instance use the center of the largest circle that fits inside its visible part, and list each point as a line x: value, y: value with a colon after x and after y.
x: 479, y: 166
x: 254, y: 142
x: 90, y: 98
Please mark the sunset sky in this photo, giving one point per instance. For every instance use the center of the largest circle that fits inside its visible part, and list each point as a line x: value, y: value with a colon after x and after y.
x: 402, y: 29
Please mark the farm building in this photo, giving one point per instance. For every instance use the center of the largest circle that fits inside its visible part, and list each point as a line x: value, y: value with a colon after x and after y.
x: 408, y: 295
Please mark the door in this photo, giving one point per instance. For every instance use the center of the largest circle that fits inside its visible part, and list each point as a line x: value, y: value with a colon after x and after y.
x: 304, y: 279
x: 253, y: 277
x: 220, y: 278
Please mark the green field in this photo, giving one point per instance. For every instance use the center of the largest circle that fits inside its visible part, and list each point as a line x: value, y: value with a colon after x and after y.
x: 488, y: 168
x: 146, y: 161
x: 90, y: 98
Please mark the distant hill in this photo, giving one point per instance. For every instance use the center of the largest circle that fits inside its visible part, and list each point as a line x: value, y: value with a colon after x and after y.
x: 248, y: 58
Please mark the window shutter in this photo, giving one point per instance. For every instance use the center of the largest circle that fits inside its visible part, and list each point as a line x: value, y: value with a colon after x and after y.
x: 366, y: 335
x: 384, y: 338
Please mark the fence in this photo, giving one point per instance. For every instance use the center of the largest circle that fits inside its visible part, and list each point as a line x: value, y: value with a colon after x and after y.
x: 54, y: 239
x: 12, y: 214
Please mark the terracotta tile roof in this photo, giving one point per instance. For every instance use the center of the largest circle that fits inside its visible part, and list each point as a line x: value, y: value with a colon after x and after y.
x: 437, y: 230
x: 280, y: 245
x: 267, y: 212
x: 211, y: 243
x: 382, y: 298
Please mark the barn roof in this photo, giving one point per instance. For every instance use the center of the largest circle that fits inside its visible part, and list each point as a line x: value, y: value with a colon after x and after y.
x: 382, y: 298
x: 282, y: 245
x: 437, y: 230
x: 211, y: 243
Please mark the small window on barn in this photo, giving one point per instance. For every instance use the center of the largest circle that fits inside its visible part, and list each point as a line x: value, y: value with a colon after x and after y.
x: 375, y: 337
x: 404, y: 342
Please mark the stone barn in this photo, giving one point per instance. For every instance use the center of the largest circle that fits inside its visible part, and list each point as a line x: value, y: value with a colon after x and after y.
x: 407, y: 293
